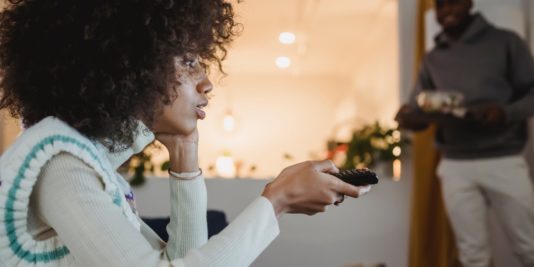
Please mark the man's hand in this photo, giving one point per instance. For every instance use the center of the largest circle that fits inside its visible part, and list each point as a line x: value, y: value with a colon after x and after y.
x: 407, y: 119
x: 489, y: 115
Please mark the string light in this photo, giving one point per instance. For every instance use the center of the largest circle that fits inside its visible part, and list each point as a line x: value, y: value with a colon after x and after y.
x: 228, y: 122
x: 397, y: 170
x: 396, y: 151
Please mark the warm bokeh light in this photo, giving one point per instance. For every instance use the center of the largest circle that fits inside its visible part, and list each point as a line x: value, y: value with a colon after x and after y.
x: 283, y: 62
x: 397, y: 169
x: 225, y: 167
x: 229, y: 122
x: 397, y: 151
x: 396, y: 136
x: 287, y: 38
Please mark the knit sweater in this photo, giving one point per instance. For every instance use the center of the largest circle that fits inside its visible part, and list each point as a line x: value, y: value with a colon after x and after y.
x: 69, y: 207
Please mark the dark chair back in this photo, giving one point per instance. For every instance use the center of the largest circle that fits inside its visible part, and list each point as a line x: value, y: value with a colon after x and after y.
x: 216, y: 223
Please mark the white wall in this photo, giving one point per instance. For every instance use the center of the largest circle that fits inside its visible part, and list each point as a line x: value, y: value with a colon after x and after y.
x: 275, y: 115
x: 407, y: 35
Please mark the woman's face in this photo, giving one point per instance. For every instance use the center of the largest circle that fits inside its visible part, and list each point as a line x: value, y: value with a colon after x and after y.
x: 187, y: 100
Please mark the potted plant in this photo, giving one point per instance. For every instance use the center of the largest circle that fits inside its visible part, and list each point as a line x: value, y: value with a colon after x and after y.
x: 370, y: 145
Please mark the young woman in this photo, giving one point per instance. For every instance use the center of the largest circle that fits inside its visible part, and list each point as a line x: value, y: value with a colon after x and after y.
x: 95, y: 82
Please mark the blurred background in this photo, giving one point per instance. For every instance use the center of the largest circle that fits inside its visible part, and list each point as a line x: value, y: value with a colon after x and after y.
x: 331, y: 83
x: 316, y: 79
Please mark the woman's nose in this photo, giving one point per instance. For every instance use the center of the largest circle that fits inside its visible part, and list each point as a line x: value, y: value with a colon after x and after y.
x: 205, y: 86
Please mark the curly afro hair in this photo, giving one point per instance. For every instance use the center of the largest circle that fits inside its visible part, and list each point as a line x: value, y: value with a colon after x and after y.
x: 100, y: 65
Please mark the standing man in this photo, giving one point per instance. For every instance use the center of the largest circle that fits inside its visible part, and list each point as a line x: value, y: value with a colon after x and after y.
x: 482, y: 166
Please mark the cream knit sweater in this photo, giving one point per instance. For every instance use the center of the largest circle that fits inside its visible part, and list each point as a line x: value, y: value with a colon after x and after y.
x: 69, y: 202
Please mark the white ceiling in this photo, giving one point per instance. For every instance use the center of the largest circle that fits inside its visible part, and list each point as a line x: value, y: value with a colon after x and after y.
x: 334, y: 37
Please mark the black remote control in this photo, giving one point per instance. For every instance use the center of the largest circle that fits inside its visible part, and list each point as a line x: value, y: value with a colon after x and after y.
x: 357, y: 177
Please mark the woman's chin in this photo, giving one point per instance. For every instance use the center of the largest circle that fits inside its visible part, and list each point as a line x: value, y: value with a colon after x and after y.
x: 183, y: 130
x: 187, y: 132
x: 186, y: 129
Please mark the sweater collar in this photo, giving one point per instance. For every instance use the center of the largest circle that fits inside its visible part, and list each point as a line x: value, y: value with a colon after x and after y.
x: 142, y: 137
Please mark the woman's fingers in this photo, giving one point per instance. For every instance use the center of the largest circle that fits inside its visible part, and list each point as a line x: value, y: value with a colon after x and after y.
x: 350, y: 190
x: 340, y: 200
x: 326, y: 166
x: 346, y: 188
x: 309, y: 188
x: 363, y: 190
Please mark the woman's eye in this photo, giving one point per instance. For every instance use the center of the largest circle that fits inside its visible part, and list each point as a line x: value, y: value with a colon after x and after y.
x: 190, y: 63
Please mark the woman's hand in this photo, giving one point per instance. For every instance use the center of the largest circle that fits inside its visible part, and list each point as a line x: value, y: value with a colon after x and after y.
x: 308, y: 188
x: 183, y: 150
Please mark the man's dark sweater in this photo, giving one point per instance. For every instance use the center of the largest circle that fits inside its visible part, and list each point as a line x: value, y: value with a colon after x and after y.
x: 487, y: 65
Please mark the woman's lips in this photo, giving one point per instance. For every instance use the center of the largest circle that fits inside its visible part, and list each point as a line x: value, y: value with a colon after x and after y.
x: 201, y: 114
